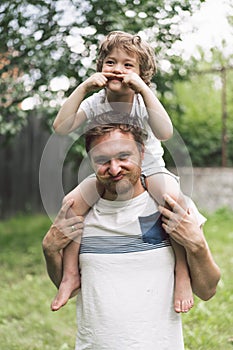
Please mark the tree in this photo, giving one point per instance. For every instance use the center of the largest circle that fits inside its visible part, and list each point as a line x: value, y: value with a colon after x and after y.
x: 45, y: 39
x: 198, y: 117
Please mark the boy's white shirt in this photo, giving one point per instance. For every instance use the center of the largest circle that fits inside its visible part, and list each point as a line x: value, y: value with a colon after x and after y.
x: 153, y: 148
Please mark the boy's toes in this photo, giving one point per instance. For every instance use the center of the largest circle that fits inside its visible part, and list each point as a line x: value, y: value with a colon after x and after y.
x: 178, y: 306
x: 183, y: 305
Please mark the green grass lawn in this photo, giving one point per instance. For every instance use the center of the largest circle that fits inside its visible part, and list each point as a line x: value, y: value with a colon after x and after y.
x: 26, y: 322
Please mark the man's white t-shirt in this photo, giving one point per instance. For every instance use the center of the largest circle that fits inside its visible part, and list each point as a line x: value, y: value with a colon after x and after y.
x: 127, y: 279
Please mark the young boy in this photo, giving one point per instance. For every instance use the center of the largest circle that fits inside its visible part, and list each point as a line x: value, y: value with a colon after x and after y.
x: 125, y: 66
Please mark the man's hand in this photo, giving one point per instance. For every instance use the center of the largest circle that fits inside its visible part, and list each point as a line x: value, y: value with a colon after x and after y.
x: 181, y: 224
x: 183, y: 227
x: 62, y: 231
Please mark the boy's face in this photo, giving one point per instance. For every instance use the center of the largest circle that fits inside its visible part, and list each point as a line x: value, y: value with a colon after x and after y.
x: 120, y: 63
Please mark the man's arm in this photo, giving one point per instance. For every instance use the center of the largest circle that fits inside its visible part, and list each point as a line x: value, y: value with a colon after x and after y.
x: 204, y: 272
x: 60, y: 234
x: 182, y: 226
x: 53, y: 258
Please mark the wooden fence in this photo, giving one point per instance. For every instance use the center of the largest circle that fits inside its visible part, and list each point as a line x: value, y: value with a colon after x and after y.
x: 19, y: 170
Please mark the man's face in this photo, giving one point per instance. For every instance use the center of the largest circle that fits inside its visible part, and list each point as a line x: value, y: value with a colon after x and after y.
x: 116, y: 161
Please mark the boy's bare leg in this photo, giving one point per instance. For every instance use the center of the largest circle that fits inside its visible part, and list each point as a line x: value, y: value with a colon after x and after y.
x: 84, y: 195
x: 158, y: 185
x: 183, y: 296
x: 71, y: 278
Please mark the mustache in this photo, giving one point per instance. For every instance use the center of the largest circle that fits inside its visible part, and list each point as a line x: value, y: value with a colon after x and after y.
x: 109, y: 179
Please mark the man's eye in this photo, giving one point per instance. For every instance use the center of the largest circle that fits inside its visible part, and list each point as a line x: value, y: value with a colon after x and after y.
x: 101, y: 160
x: 124, y: 156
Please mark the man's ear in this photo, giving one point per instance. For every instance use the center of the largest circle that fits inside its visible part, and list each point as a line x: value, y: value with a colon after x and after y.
x: 142, y: 151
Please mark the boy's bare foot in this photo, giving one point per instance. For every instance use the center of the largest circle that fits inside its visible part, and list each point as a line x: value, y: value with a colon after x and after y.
x: 67, y: 289
x: 183, y: 296
x: 183, y: 305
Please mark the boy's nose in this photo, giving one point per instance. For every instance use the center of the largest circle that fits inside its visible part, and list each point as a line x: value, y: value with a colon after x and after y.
x: 118, y: 69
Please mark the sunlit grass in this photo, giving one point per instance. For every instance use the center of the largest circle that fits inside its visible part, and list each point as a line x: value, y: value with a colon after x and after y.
x: 209, y: 325
x: 26, y: 322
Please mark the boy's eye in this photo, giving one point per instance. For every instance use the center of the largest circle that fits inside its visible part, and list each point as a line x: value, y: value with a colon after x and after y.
x: 109, y: 62
x: 129, y: 65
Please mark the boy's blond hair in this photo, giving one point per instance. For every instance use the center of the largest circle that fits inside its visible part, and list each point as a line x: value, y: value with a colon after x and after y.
x: 131, y: 44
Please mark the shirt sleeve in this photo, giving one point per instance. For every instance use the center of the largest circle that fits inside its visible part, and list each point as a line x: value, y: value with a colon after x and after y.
x: 95, y: 104
x: 86, y: 106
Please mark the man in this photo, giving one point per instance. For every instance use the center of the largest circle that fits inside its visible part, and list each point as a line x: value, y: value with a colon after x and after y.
x: 126, y: 259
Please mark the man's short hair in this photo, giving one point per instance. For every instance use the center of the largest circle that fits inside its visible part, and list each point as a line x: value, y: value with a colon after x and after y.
x: 109, y: 121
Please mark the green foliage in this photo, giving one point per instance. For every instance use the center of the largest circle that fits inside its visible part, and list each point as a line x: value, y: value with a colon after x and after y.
x: 42, y: 40
x: 36, y: 47
x: 196, y: 113
x: 26, y: 322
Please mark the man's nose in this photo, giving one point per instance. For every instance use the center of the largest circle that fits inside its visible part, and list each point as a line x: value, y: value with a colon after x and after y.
x: 114, y: 167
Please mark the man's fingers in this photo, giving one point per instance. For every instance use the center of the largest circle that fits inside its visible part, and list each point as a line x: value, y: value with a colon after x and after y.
x: 76, y: 220
x: 64, y: 209
x: 166, y: 213
x: 173, y: 204
x: 170, y: 201
x: 166, y: 228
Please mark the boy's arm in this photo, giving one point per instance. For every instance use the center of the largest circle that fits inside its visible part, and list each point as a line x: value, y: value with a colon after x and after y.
x: 69, y: 116
x: 182, y: 226
x: 159, y: 120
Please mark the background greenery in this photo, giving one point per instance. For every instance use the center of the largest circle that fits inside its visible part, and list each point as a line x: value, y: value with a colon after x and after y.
x: 34, y: 49
x: 37, y: 40
x: 26, y: 322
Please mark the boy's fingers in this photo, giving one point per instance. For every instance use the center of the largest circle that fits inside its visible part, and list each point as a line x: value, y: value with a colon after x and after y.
x: 108, y: 74
x: 112, y: 75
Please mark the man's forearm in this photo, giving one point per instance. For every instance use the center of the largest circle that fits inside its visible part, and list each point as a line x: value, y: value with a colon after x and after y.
x: 54, y: 266
x: 204, y: 272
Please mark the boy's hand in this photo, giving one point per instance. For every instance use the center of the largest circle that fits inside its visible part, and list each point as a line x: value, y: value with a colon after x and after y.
x: 97, y: 81
x: 134, y: 81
